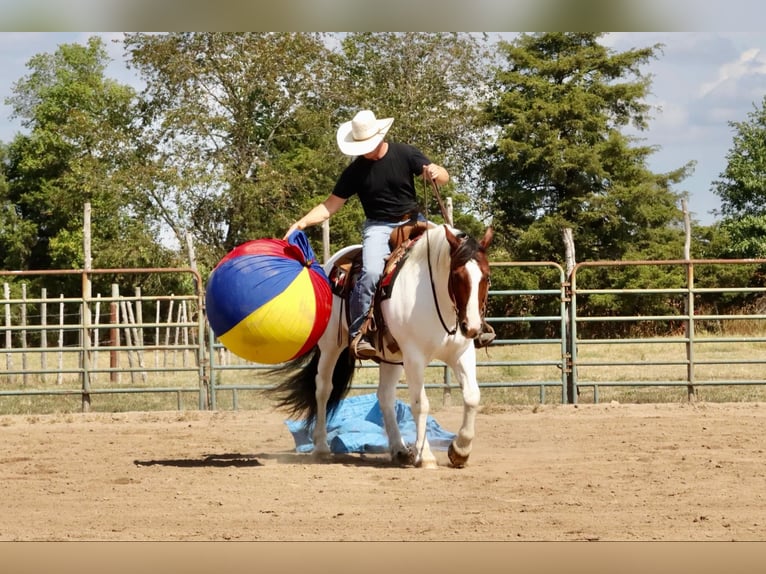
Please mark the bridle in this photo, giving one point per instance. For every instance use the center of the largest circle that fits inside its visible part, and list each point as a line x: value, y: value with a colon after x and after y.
x: 450, y: 286
x: 433, y: 291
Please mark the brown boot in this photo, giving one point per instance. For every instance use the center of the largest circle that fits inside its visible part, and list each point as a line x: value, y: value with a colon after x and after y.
x: 362, y: 348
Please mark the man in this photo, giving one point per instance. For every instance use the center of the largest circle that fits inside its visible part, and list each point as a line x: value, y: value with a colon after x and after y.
x: 382, y: 176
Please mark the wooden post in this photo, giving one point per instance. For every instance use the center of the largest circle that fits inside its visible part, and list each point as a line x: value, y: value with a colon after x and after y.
x: 569, y: 255
x: 114, y: 334
x: 185, y: 334
x: 24, y: 357
x: 157, y: 318
x: 140, y: 316
x: 128, y: 338
x: 23, y: 320
x: 43, y: 333
x: 691, y: 392
x: 85, y: 310
x: 176, y: 331
x: 167, y: 331
x: 8, y: 332
x: 96, y: 330
x: 137, y: 340
x: 60, y: 376
x: 190, y: 251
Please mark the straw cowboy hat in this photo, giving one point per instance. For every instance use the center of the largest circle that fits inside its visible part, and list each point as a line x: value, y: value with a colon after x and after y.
x: 362, y: 134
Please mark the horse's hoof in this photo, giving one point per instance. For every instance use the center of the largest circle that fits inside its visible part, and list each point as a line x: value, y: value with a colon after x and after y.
x: 404, y: 457
x: 456, y: 459
x: 321, y: 454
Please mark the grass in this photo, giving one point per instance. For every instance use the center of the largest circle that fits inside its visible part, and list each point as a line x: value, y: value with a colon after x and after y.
x: 518, y: 374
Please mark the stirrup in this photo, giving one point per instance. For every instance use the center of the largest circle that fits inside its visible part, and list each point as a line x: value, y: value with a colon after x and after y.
x: 362, y: 347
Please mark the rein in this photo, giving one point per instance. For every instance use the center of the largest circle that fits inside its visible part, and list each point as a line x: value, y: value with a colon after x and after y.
x: 447, y: 219
x: 443, y: 209
x: 433, y: 291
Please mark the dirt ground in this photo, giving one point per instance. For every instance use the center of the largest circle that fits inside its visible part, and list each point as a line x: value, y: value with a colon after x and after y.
x: 680, y: 472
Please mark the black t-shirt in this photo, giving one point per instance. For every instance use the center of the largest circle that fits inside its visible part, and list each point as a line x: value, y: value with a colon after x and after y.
x: 386, y: 187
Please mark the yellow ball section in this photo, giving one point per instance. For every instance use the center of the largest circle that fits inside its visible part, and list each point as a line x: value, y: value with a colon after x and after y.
x: 278, y: 330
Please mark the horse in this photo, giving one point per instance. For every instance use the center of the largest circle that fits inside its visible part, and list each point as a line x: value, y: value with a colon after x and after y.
x: 433, y: 310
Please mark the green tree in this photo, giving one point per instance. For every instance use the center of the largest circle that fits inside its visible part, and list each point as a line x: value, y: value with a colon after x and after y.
x: 742, y: 187
x: 17, y: 236
x: 560, y: 160
x: 241, y: 127
x: 238, y: 129
x: 78, y: 150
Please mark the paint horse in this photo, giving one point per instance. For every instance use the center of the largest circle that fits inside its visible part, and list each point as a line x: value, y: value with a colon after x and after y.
x: 433, y: 309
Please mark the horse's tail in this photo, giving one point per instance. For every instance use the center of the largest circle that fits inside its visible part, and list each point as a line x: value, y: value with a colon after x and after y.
x: 297, y: 392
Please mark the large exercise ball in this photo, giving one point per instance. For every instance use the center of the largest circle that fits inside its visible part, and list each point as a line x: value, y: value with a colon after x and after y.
x: 269, y: 300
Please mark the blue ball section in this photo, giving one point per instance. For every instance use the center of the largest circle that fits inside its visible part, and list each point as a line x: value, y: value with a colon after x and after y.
x: 269, y: 300
x: 242, y: 284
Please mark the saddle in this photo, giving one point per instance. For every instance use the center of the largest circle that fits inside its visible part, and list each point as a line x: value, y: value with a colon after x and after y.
x: 346, y: 271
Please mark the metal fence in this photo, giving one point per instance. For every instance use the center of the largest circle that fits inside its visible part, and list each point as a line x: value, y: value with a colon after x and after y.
x: 689, y: 356
x: 72, y: 347
x: 81, y: 347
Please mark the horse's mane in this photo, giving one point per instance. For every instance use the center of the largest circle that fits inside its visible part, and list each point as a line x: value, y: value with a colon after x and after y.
x: 467, y: 250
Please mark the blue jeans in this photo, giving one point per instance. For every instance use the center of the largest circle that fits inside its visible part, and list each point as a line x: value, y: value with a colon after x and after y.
x: 375, y: 249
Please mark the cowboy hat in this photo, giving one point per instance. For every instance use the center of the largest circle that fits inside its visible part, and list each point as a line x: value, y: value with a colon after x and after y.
x: 362, y: 134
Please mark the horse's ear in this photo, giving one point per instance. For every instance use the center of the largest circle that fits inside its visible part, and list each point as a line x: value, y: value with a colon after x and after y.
x: 489, y: 233
x: 452, y: 239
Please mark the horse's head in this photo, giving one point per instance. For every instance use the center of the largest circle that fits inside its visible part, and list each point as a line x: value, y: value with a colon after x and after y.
x: 469, y: 279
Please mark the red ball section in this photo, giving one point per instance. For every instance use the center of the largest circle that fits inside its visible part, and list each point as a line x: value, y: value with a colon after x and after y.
x: 268, y: 300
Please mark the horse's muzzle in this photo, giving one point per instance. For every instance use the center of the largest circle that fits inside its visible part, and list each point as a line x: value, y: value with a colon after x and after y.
x: 469, y: 333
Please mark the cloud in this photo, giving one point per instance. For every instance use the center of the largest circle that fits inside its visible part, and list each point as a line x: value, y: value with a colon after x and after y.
x: 750, y: 62
x: 700, y: 83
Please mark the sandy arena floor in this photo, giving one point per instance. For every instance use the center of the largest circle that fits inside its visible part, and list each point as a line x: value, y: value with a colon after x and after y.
x: 677, y: 472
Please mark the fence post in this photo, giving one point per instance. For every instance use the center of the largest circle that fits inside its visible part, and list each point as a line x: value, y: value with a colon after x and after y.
x: 114, y: 334
x: 24, y: 357
x: 96, y: 330
x: 43, y: 333
x: 128, y: 338
x: 8, y: 332
x: 60, y: 344
x: 690, y: 390
x: 85, y: 308
x: 571, y: 390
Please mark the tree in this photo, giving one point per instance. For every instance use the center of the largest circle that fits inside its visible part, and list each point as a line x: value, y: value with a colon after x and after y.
x: 560, y: 158
x: 742, y: 187
x: 241, y: 126
x: 236, y: 127
x: 17, y: 235
x: 80, y: 148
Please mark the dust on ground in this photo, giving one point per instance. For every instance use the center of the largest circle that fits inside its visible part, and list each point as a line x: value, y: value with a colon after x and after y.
x: 585, y: 472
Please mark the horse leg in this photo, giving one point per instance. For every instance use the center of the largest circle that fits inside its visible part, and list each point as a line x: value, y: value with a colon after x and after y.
x: 389, y: 376
x: 465, y: 373
x: 415, y: 373
x: 323, y: 381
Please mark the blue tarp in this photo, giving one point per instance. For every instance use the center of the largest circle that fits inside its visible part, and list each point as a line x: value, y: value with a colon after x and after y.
x: 357, y: 426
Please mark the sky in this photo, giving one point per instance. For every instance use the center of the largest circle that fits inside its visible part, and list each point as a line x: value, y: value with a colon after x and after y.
x: 701, y: 81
